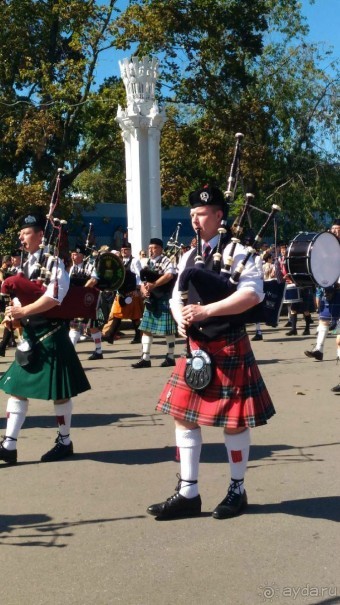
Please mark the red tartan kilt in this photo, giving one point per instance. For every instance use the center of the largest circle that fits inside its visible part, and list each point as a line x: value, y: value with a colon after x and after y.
x: 236, y: 397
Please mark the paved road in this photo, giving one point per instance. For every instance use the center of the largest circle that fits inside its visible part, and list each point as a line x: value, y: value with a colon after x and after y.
x: 76, y: 532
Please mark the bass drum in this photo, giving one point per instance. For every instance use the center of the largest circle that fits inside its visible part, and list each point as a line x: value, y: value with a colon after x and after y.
x: 314, y: 258
x: 110, y: 271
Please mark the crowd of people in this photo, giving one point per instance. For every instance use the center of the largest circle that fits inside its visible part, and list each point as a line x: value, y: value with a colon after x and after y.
x: 217, y: 383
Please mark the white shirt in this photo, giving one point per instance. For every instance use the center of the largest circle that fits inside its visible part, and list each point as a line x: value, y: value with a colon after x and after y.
x: 251, y: 277
x: 58, y: 271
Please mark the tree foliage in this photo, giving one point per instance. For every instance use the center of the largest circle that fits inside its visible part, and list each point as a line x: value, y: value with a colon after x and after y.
x: 226, y: 66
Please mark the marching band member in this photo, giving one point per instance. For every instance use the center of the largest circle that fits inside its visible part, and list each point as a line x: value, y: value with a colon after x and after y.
x: 329, y: 309
x: 128, y: 303
x: 46, y: 366
x: 157, y: 318
x: 88, y: 273
x: 236, y: 399
x: 8, y: 337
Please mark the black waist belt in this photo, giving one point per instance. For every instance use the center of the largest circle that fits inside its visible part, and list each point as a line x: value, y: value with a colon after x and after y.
x: 39, y: 321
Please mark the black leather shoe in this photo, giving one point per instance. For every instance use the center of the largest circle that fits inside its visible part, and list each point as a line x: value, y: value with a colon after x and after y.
x: 306, y: 332
x: 336, y: 389
x: 2, y: 351
x: 168, y: 361
x: 8, y: 456
x: 315, y: 354
x: 175, y: 507
x: 96, y: 355
x: 109, y: 339
x: 136, y: 341
x: 142, y: 363
x: 258, y: 336
x: 58, y: 452
x: 291, y: 333
x: 232, y: 505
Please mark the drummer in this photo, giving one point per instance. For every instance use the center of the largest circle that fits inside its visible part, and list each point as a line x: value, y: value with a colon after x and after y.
x: 329, y: 310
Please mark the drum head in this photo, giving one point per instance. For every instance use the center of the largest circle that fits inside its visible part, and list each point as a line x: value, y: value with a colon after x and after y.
x: 325, y: 259
x: 110, y: 270
x: 314, y: 258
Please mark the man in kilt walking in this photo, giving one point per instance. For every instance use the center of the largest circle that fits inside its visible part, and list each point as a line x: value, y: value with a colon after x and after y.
x: 236, y: 399
x: 54, y: 370
x: 157, y: 282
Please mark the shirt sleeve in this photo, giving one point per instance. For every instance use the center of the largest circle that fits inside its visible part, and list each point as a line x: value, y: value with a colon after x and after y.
x: 60, y: 275
x: 251, y: 276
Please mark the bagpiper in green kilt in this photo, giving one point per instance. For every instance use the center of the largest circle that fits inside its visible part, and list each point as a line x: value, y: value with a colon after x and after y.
x: 55, y: 371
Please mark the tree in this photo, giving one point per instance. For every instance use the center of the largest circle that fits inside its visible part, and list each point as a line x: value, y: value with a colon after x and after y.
x: 227, y: 66
x: 51, y: 114
x: 245, y: 66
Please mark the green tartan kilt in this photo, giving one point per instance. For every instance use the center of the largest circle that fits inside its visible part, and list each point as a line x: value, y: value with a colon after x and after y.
x: 158, y: 320
x: 55, y: 372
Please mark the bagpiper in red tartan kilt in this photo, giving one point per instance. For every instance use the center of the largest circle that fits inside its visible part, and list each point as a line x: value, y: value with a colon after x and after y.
x: 236, y: 397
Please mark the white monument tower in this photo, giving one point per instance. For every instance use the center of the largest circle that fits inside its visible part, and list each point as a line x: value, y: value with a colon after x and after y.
x: 141, y: 124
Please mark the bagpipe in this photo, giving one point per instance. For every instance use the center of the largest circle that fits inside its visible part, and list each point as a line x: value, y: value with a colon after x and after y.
x: 201, y: 285
x: 173, y: 248
x: 151, y: 274
x: 79, y: 301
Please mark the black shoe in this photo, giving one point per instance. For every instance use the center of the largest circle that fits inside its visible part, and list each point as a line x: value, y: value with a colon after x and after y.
x: 168, y: 361
x: 136, y: 341
x: 291, y: 332
x: 109, y: 339
x: 2, y: 351
x: 142, y: 363
x: 8, y: 456
x: 177, y: 506
x: 316, y: 354
x: 58, y: 452
x: 336, y: 389
x: 232, y: 505
x: 258, y: 336
x: 95, y: 355
x: 306, y: 332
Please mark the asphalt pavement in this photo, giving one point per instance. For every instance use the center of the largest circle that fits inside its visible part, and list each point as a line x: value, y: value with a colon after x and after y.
x: 76, y: 532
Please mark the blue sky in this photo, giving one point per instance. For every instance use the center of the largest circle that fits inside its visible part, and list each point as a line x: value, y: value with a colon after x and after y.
x: 323, y: 18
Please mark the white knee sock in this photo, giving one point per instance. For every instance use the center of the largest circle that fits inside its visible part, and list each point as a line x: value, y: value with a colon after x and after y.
x: 189, y: 443
x: 74, y: 336
x: 321, y: 337
x: 97, y: 339
x: 146, y: 346
x: 238, y: 446
x: 170, y: 343
x: 16, y: 414
x: 63, y: 412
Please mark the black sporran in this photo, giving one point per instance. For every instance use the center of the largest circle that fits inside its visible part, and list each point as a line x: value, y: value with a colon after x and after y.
x: 199, y: 370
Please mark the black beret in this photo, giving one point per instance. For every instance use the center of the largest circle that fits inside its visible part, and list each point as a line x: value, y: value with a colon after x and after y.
x: 33, y: 219
x: 207, y: 196
x: 79, y: 249
x: 156, y: 241
x: 336, y: 222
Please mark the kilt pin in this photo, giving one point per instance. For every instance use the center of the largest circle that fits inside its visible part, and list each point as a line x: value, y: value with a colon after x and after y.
x: 237, y: 396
